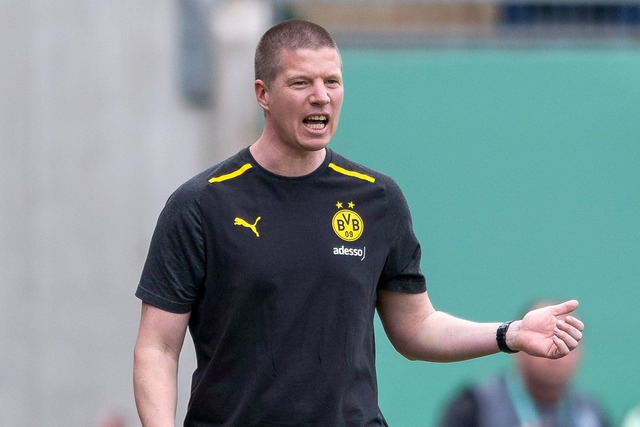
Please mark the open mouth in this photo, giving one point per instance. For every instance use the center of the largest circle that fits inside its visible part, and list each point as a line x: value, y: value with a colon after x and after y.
x: 316, y: 122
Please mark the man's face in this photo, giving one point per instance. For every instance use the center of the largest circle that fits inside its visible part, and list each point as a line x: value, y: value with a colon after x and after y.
x: 549, y: 373
x: 303, y: 103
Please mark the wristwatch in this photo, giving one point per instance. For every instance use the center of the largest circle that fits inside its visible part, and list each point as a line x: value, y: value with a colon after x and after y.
x: 501, y: 337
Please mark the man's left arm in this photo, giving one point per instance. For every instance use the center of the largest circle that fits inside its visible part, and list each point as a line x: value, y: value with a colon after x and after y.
x: 419, y: 332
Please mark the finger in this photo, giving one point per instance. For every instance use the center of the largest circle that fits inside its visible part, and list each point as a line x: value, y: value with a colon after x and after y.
x: 568, y: 334
x: 575, y: 331
x: 575, y: 322
x: 561, y: 348
x: 565, y: 307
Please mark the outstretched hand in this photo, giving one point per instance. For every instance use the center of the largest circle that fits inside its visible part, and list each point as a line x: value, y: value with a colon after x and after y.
x: 548, y: 331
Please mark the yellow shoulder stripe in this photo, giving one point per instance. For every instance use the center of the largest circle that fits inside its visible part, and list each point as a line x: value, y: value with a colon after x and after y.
x: 351, y: 173
x: 231, y: 175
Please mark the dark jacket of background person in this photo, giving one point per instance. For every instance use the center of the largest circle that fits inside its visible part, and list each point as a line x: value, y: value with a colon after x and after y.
x: 489, y: 404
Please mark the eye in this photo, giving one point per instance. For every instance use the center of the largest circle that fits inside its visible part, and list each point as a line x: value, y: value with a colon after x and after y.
x: 333, y: 83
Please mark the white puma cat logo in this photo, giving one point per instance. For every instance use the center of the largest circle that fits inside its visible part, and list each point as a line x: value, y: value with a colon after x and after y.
x: 242, y: 222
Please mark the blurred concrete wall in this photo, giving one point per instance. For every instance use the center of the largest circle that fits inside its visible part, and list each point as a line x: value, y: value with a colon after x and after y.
x: 94, y: 136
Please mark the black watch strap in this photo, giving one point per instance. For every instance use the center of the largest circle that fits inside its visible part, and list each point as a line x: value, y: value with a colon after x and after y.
x: 501, y: 338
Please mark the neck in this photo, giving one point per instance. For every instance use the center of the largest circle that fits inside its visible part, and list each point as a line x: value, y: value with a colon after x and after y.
x: 286, y: 162
x: 545, y: 395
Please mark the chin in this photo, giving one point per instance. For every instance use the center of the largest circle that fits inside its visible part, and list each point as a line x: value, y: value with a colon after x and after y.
x: 316, y: 145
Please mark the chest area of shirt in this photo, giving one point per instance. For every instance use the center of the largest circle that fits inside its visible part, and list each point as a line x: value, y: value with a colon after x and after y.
x: 343, y: 226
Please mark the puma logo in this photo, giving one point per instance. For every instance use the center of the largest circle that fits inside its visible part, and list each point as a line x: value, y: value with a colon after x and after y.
x: 242, y: 222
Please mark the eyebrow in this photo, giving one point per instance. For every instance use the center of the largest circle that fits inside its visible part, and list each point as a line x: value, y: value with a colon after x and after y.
x: 302, y: 76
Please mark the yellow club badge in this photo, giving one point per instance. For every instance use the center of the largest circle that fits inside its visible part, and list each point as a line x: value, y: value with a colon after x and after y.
x: 346, y: 223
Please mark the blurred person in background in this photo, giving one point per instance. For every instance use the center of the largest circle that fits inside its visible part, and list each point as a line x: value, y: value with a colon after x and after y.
x: 632, y: 419
x: 535, y: 392
x: 276, y: 261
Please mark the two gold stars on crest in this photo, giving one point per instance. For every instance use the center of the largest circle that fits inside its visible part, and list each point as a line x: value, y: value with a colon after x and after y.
x: 350, y: 204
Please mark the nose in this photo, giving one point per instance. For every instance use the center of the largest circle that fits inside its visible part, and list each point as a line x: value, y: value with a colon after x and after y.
x: 320, y: 94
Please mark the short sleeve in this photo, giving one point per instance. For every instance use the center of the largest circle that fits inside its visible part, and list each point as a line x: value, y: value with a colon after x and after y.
x: 174, y: 269
x: 402, y: 272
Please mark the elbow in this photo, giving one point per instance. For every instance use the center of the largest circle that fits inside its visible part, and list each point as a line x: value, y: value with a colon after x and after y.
x: 411, y: 357
x: 418, y: 354
x: 407, y: 351
x: 405, y: 343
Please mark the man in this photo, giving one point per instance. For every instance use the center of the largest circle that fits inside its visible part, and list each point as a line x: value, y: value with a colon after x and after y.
x: 537, y: 392
x: 276, y: 260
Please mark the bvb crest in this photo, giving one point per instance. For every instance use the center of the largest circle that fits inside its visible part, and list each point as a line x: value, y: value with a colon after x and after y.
x: 346, y: 223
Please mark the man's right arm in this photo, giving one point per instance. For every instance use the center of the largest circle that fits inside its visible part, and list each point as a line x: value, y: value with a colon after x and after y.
x: 155, y: 367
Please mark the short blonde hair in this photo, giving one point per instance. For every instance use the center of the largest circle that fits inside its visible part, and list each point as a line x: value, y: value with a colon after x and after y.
x: 291, y: 35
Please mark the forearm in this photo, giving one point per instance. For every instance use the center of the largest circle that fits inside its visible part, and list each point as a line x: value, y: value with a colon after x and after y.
x: 441, y: 337
x: 155, y: 387
x: 419, y: 332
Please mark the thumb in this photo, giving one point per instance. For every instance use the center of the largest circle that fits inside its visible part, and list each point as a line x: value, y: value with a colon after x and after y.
x: 565, y: 307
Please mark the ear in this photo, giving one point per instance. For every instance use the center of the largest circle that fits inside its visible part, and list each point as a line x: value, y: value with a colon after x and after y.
x: 262, y: 94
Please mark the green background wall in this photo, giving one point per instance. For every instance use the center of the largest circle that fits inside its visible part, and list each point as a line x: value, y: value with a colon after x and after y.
x: 521, y: 168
